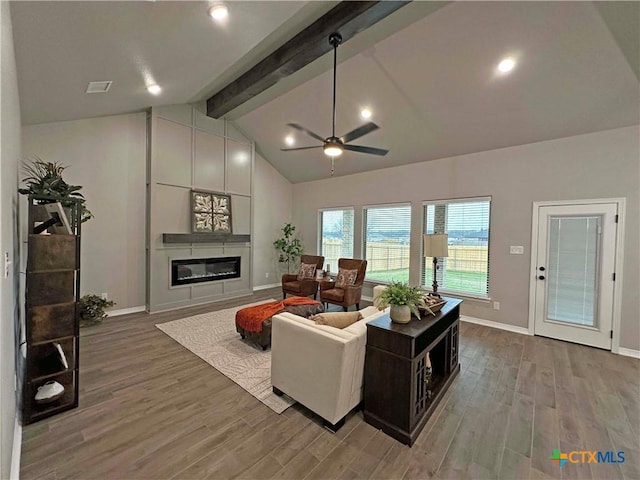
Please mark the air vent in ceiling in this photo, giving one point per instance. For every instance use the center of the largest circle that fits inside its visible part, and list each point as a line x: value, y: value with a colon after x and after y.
x: 99, y: 87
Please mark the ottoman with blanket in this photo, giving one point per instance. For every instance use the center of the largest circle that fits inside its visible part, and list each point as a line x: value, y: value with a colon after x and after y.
x: 254, y: 323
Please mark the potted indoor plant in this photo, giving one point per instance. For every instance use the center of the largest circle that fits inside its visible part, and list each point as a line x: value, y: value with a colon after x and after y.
x: 92, y: 309
x: 403, y: 299
x: 44, y: 179
x: 288, y: 246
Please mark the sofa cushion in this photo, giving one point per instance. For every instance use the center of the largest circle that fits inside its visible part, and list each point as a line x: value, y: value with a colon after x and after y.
x: 346, y: 277
x: 325, y: 330
x: 307, y: 270
x: 336, y: 319
x: 368, y: 311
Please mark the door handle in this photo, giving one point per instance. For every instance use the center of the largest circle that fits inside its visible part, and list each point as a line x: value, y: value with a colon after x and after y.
x: 541, y: 277
x: 542, y: 269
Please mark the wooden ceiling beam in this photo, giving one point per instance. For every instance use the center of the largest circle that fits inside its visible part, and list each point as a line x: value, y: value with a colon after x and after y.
x: 347, y: 18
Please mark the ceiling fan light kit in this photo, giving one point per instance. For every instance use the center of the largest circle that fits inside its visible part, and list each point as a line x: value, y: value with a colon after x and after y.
x: 333, y: 146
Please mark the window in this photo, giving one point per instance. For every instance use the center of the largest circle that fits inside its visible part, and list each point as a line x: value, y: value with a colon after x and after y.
x: 386, y: 242
x: 466, y: 270
x: 336, y: 236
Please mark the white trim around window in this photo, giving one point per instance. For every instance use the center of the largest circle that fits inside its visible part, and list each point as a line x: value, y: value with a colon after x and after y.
x: 465, y: 272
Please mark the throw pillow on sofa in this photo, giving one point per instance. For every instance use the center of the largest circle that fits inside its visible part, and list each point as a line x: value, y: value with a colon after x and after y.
x: 336, y: 319
x: 307, y: 270
x: 346, y: 277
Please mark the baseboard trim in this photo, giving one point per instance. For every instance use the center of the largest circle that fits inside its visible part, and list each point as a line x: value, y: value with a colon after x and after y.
x: 126, y: 311
x: 629, y: 352
x: 492, y: 324
x: 368, y: 299
x: 14, y: 473
x: 626, y: 352
x: 264, y: 287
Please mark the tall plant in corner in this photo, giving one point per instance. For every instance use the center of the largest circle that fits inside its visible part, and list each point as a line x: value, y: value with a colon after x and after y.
x: 45, y: 179
x: 288, y: 246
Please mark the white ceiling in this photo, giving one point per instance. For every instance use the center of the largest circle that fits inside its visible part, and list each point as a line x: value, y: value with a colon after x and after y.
x: 429, y: 77
x: 62, y: 46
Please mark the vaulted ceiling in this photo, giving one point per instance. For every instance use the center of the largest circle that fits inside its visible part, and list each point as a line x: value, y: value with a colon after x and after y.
x: 427, y: 72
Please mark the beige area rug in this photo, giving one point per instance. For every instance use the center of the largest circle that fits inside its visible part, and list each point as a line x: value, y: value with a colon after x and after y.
x: 213, y: 337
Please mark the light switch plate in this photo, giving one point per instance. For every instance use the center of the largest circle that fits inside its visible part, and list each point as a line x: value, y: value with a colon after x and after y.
x: 516, y: 250
x: 7, y: 264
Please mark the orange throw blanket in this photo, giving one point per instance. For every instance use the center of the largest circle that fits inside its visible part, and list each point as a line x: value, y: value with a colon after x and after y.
x: 251, y: 318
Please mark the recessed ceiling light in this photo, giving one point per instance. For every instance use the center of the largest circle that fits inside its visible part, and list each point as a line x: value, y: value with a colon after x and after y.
x: 506, y: 65
x: 365, y: 113
x: 218, y: 12
x: 289, y: 140
x: 154, y: 89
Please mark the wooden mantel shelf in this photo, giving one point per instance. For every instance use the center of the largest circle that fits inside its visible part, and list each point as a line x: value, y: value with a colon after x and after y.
x: 204, y: 238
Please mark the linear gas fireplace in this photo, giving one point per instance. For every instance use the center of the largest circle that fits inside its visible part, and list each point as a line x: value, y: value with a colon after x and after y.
x: 197, y: 270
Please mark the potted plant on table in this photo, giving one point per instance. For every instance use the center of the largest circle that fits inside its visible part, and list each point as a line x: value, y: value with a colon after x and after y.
x: 403, y: 299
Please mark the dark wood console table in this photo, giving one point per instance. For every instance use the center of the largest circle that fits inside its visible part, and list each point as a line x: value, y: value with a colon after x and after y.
x: 401, y: 391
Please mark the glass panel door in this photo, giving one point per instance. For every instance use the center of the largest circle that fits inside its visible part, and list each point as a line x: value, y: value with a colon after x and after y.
x: 574, y: 253
x: 572, y: 264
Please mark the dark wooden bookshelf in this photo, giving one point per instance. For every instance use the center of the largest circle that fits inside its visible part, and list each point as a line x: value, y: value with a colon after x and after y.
x: 52, y: 311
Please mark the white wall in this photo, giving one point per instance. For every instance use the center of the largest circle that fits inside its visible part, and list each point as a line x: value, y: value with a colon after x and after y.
x: 107, y: 156
x: 9, y: 300
x: 272, y: 200
x: 599, y: 165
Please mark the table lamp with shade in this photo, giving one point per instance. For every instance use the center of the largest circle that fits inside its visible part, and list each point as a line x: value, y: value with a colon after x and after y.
x: 436, y: 245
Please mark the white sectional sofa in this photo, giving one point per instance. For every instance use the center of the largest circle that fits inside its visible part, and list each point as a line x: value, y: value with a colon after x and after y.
x: 319, y: 366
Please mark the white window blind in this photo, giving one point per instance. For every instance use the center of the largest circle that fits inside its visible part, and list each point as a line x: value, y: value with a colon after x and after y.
x: 336, y: 236
x: 466, y: 269
x: 386, y: 242
x: 572, y: 269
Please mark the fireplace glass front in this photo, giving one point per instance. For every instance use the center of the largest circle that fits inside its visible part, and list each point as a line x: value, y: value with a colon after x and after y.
x: 197, y: 270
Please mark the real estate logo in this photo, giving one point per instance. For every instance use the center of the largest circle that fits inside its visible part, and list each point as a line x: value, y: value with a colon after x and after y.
x: 586, y: 456
x: 560, y: 458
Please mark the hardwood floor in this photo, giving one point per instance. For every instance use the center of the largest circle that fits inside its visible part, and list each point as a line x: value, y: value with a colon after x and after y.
x: 151, y: 409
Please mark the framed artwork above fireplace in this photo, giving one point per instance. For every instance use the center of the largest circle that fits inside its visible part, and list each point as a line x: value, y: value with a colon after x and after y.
x: 210, y: 212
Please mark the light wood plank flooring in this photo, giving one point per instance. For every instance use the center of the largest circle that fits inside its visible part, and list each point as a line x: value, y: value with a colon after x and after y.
x: 150, y: 409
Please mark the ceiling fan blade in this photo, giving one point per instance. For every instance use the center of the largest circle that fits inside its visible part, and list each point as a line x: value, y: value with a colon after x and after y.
x: 359, y: 132
x: 308, y: 132
x: 298, y: 148
x: 371, y: 150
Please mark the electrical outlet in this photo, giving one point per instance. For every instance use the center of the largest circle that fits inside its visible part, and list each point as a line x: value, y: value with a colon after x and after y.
x: 266, y: 275
x: 104, y: 296
x: 516, y: 250
x: 496, y: 305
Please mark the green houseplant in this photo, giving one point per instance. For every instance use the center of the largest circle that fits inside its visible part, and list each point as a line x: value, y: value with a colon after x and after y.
x: 288, y: 246
x: 403, y: 299
x: 45, y: 179
x: 92, y: 309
